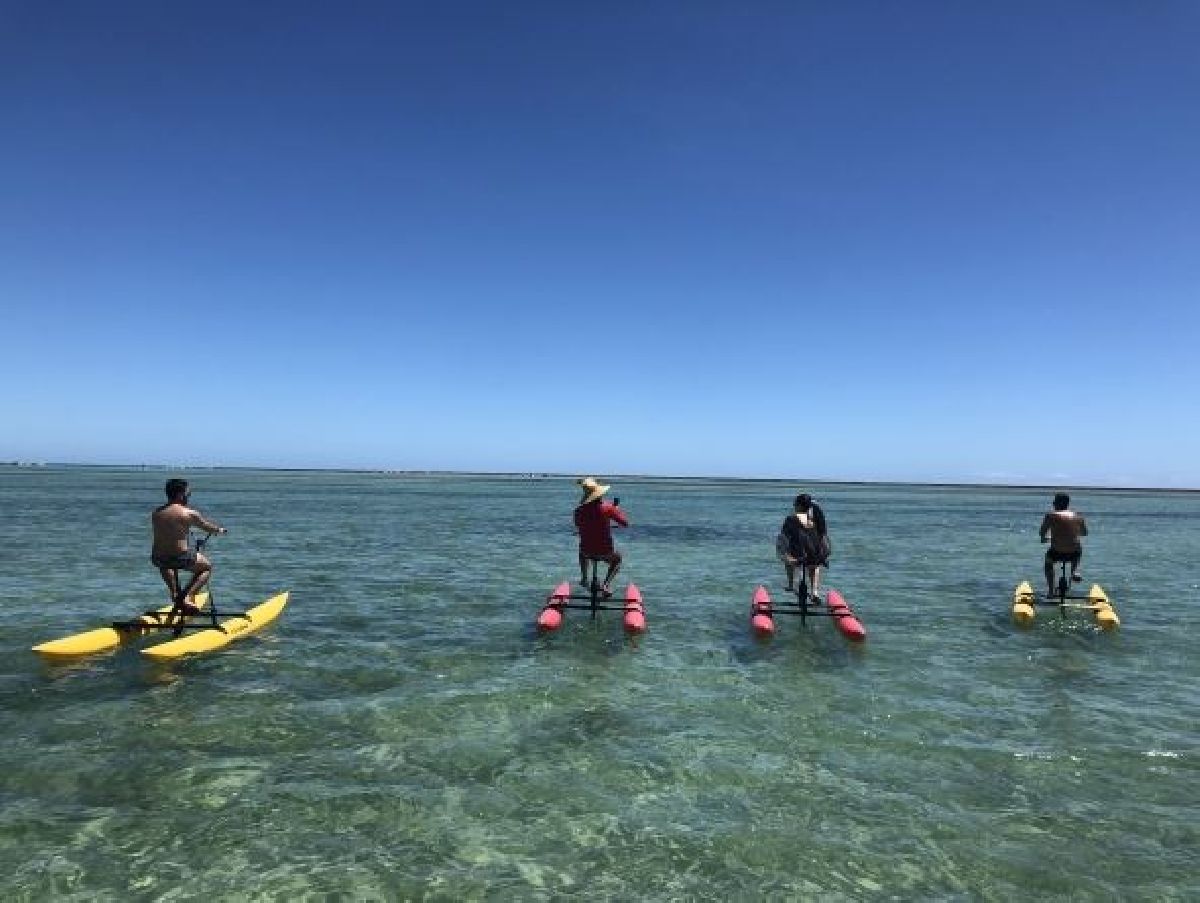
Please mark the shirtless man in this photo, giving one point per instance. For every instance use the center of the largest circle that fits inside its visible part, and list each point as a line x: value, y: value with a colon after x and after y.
x: 170, y: 553
x: 595, y: 534
x: 1062, y: 527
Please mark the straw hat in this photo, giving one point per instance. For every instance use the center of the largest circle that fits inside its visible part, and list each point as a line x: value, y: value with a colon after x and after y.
x: 591, y: 489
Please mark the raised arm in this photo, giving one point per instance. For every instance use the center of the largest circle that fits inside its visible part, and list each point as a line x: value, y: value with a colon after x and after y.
x: 196, y: 519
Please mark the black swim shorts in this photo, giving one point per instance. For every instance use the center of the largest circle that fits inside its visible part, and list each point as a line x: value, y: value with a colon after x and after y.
x: 180, y: 561
x: 1071, y: 558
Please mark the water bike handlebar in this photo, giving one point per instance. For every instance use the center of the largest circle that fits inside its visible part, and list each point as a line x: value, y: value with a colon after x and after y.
x: 203, y: 540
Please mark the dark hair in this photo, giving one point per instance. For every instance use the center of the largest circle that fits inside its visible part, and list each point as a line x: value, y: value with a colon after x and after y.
x: 803, y: 502
x: 1061, y: 501
x: 176, y: 488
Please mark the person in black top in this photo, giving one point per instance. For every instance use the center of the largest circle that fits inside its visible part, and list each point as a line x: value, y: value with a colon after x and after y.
x: 804, y: 541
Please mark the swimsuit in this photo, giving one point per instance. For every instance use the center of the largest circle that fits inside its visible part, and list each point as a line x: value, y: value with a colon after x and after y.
x: 177, y: 561
x: 1072, y: 558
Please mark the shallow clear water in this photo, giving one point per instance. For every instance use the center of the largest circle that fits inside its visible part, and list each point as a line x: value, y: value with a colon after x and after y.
x: 402, y: 732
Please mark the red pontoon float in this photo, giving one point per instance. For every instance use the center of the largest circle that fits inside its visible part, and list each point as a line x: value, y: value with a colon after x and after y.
x: 763, y: 611
x: 560, y: 599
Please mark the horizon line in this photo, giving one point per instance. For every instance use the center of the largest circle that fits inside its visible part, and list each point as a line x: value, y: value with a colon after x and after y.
x: 932, y: 484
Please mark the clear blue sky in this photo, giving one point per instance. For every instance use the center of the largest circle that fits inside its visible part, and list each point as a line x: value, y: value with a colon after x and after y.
x: 877, y: 240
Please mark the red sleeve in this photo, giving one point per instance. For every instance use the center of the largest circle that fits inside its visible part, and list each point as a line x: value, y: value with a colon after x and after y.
x: 616, y: 514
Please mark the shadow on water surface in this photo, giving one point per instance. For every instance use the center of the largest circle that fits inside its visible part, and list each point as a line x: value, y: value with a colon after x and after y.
x: 584, y: 638
x: 815, y: 645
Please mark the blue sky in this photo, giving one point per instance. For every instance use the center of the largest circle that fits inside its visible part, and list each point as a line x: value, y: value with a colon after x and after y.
x: 915, y: 241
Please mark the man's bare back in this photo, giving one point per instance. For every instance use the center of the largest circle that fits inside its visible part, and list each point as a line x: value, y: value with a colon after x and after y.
x: 1065, y: 528
x: 171, y: 524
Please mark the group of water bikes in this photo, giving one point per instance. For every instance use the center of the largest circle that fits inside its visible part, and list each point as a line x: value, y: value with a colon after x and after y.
x: 803, y: 548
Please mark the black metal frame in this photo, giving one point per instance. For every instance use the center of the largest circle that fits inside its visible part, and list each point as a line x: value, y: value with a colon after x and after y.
x: 802, y: 606
x: 592, y: 599
x: 176, y: 619
x: 205, y: 620
x: 1061, y: 596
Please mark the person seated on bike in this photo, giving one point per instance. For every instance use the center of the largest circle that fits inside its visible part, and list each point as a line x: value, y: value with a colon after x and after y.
x: 171, y: 524
x: 804, y: 540
x: 1063, y: 527
x: 592, y: 519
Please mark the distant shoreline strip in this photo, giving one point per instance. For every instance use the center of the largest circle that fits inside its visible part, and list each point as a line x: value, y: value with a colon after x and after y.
x: 627, y: 477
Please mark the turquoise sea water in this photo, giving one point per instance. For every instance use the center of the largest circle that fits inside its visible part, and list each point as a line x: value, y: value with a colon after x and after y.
x: 402, y: 733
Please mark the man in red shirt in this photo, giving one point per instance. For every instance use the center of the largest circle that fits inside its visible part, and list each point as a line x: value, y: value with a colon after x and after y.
x: 595, y: 536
